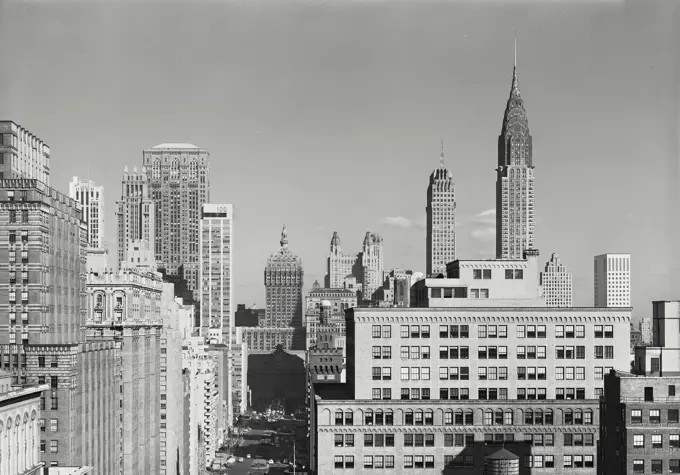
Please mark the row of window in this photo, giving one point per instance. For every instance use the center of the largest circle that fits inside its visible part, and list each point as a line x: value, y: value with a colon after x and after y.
x: 656, y: 441
x: 427, y: 461
x: 54, y: 446
x: 484, y: 394
x: 656, y: 466
x: 654, y: 416
x: 492, y: 352
x: 493, y: 331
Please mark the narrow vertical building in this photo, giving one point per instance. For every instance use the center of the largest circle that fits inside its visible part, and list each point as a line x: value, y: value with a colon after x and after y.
x: 556, y: 282
x: 134, y: 212
x: 23, y: 154
x: 91, y: 197
x: 179, y: 184
x: 441, y: 219
x: 612, y: 280
x: 515, y: 211
x: 372, y: 265
x: 215, y: 271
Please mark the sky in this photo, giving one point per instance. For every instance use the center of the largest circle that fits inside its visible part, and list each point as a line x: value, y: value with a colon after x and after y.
x: 328, y: 116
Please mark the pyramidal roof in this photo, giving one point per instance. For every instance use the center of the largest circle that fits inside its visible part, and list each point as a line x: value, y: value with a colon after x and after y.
x: 502, y: 454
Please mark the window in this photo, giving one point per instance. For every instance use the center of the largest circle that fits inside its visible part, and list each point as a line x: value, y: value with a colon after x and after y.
x: 638, y: 466
x: 671, y: 389
x: 54, y: 425
x: 638, y: 440
x: 54, y: 446
x: 649, y: 394
x: 376, y: 331
x: 476, y: 274
x: 405, y: 331
x: 559, y: 331
x: 673, y: 416
x: 656, y: 441
x: 655, y: 416
x: 481, y: 331
x: 376, y: 352
x: 674, y: 441
x: 521, y: 331
x: 387, y: 331
x: 599, y: 333
x: 657, y: 466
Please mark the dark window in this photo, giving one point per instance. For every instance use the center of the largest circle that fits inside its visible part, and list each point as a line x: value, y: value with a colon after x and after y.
x: 649, y: 394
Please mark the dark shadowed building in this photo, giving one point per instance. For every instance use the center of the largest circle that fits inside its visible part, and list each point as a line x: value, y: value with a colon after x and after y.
x: 277, y: 378
x: 248, y: 317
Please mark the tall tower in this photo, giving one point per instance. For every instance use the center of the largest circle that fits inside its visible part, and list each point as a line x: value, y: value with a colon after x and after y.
x: 134, y: 213
x: 91, y: 197
x: 612, y: 280
x: 557, y: 283
x: 338, y: 265
x: 283, y: 279
x: 215, y: 274
x: 179, y: 184
x: 441, y: 219
x: 372, y: 265
x: 514, y: 180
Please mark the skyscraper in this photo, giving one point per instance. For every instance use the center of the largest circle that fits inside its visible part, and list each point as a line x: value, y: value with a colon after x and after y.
x: 179, y: 183
x: 134, y: 212
x: 23, y: 154
x: 612, y: 280
x: 91, y: 197
x: 514, y: 180
x: 441, y: 219
x: 215, y: 247
x: 367, y: 266
x: 556, y: 282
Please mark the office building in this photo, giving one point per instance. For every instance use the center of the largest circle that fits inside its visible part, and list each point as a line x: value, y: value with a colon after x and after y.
x: 396, y: 290
x: 457, y: 377
x: 91, y: 197
x: 215, y: 271
x: 325, y: 316
x: 515, y: 185
x: 612, y: 280
x: 125, y: 307
x: 134, y: 213
x: 367, y: 267
x: 23, y: 154
x: 239, y: 371
x: 640, y: 411
x: 20, y: 425
x: 441, y: 220
x: 283, y: 281
x: 556, y: 282
x: 42, y: 317
x: 248, y: 317
x: 179, y: 184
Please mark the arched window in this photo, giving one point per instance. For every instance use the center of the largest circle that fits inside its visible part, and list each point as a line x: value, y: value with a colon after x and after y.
x: 460, y: 420
x: 429, y: 417
x: 499, y: 417
x: 368, y: 417
x: 418, y: 419
x: 99, y: 305
x: 538, y: 417
x: 578, y: 417
x: 448, y: 417
x: 568, y: 416
x: 488, y: 417
x: 509, y: 418
x: 549, y: 417
x: 529, y: 417
x: 156, y: 169
x: 588, y: 417
x: 469, y: 418
x: 379, y: 419
x: 408, y: 417
x: 349, y: 417
x: 389, y: 417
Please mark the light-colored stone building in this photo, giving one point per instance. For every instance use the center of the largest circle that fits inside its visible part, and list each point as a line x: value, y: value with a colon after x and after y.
x: 179, y: 184
x: 24, y: 154
x: 91, y: 196
x: 135, y: 213
x: 441, y: 220
x: 612, y: 280
x: 556, y: 282
x: 367, y: 266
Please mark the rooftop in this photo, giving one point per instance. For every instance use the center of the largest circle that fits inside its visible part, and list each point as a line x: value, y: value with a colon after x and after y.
x: 175, y: 145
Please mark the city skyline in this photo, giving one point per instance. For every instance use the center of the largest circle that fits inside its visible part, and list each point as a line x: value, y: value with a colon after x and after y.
x: 444, y: 72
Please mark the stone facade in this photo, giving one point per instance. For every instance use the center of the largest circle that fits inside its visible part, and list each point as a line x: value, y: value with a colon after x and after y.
x: 134, y: 212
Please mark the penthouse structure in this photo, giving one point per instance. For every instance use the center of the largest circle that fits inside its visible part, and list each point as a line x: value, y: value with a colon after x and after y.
x: 640, y: 410
x: 459, y: 375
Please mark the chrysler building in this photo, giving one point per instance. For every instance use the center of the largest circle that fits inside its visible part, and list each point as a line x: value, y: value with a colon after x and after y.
x: 515, y: 180
x: 441, y: 219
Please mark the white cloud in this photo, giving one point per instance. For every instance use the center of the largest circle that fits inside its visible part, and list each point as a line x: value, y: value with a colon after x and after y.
x: 396, y: 221
x: 486, y: 212
x: 486, y: 234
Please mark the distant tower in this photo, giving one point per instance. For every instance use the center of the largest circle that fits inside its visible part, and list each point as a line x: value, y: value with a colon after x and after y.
x: 91, y: 197
x: 134, y: 213
x: 283, y: 280
x: 556, y: 282
x: 514, y: 180
x: 23, y: 154
x: 338, y: 264
x: 612, y: 280
x: 179, y: 184
x: 441, y: 219
x: 372, y: 266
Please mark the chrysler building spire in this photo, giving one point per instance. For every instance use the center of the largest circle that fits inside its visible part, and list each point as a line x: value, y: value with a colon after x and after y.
x: 441, y: 156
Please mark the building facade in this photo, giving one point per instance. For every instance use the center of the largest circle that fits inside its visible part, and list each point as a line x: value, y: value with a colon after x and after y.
x: 179, y: 184
x: 134, y: 212
x: 646, y: 330
x: 515, y: 200
x: 283, y: 281
x: 612, y: 280
x: 20, y: 425
x: 556, y: 281
x: 367, y: 267
x: 640, y: 411
x: 23, y: 154
x: 441, y: 220
x: 125, y: 306
x: 215, y: 271
x: 42, y: 317
x: 91, y: 197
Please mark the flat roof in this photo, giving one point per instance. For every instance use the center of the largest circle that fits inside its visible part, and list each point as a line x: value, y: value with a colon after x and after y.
x: 489, y: 309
